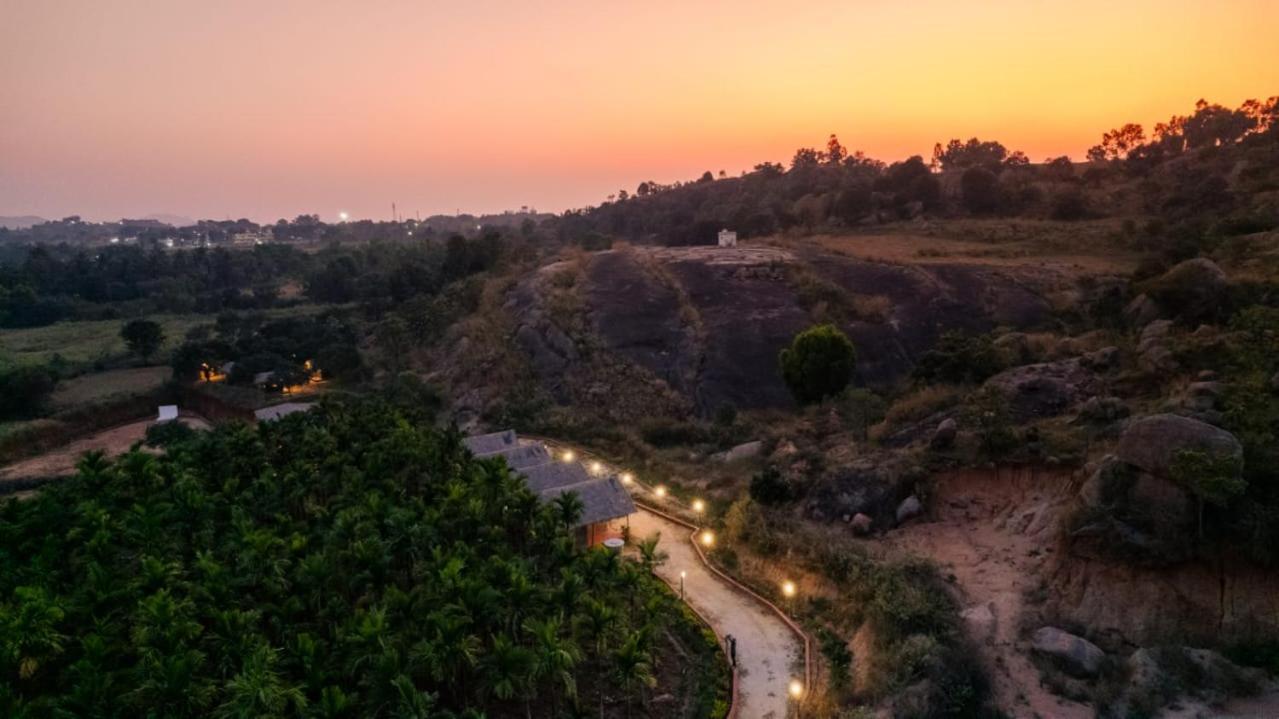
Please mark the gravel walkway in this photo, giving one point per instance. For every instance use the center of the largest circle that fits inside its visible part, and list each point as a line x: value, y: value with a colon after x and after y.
x: 767, y: 650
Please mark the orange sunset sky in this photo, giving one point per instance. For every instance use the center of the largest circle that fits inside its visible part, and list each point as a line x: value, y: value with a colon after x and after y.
x: 271, y: 108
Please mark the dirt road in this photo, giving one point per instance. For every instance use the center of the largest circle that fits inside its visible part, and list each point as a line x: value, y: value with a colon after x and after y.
x: 769, y: 655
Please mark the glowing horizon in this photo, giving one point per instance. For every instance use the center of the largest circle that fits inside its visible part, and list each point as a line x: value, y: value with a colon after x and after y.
x: 271, y: 110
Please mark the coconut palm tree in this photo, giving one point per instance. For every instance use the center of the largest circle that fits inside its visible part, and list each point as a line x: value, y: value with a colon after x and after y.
x: 633, y: 666
x: 554, y: 658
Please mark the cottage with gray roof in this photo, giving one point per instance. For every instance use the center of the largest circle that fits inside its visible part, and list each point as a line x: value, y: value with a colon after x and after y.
x: 604, y: 500
x: 486, y: 444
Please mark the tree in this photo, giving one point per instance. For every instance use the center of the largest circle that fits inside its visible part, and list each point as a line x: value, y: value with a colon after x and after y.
x: 980, y: 190
x: 770, y: 488
x: 1211, y: 478
x: 835, y: 152
x: 958, y: 155
x: 143, y: 337
x: 818, y: 363
x: 1117, y: 143
x: 24, y: 389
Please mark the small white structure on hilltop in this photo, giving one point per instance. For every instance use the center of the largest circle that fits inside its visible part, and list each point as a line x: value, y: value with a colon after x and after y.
x: 167, y: 413
x: 727, y: 238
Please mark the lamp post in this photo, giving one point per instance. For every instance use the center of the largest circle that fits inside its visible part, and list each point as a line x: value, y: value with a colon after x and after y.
x: 796, y: 691
x: 682, y: 574
x: 568, y: 455
x: 707, y: 538
x: 699, y: 506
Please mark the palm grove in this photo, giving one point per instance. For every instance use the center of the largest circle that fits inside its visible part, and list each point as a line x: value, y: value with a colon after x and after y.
x: 346, y: 563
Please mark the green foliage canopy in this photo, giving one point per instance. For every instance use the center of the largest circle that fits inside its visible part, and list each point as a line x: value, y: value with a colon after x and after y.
x: 818, y: 364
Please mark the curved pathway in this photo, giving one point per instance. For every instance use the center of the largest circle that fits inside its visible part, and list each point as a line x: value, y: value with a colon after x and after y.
x: 767, y: 649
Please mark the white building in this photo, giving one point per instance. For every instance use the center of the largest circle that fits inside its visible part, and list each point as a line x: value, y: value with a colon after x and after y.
x: 727, y: 238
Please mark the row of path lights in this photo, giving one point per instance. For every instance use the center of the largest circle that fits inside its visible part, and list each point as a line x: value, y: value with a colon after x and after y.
x: 707, y: 539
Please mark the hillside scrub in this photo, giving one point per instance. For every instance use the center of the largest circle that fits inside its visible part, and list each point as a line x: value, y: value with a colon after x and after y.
x: 341, y: 562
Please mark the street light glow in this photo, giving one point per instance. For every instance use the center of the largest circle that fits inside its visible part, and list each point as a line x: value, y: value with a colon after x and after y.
x: 343, y: 216
x: 698, y: 506
x: 788, y: 588
x: 708, y: 538
x: 628, y: 478
x: 596, y: 468
x: 796, y: 689
x: 568, y: 455
x: 660, y: 492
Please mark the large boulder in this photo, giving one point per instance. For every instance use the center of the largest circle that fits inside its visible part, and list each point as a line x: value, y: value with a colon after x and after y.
x: 1193, y: 289
x: 1141, y: 311
x: 909, y: 509
x: 944, y: 435
x: 1044, y: 390
x: 1152, y: 443
x: 746, y: 450
x: 1074, y: 655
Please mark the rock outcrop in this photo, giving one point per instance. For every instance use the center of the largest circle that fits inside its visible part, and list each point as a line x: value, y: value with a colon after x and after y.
x: 1152, y: 443
x: 1072, y: 654
x: 1044, y: 390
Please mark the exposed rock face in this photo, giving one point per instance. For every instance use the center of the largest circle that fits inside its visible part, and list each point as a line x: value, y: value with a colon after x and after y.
x: 1195, y: 602
x: 1044, y: 390
x: 1103, y: 410
x: 945, y: 434
x: 1141, y: 311
x: 742, y: 451
x: 1138, y: 513
x: 862, y: 524
x: 709, y: 322
x: 909, y: 509
x: 872, y: 486
x: 1152, y: 443
x: 1195, y: 288
x: 1101, y: 360
x: 1074, y: 655
x: 1153, y: 352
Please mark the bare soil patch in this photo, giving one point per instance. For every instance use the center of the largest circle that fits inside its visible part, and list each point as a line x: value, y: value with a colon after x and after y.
x: 62, y: 461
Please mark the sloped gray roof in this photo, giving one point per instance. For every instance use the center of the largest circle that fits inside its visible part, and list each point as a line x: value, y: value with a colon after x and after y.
x: 542, y: 477
x: 523, y: 456
x: 276, y: 411
x: 602, y: 499
x: 484, y: 444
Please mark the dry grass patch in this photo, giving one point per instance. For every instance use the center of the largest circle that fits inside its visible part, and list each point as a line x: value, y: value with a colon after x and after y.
x: 107, y: 386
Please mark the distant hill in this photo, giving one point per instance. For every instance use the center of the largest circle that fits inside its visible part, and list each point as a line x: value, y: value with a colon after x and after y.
x: 20, y: 222
x: 174, y: 220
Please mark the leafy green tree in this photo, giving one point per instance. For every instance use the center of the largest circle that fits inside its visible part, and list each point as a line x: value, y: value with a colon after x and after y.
x: 818, y: 363
x: 770, y: 488
x: 24, y: 390
x: 143, y: 337
x: 1211, y: 478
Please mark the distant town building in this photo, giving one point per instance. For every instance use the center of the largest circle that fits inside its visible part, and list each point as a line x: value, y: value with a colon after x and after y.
x: 727, y: 238
x: 253, y: 237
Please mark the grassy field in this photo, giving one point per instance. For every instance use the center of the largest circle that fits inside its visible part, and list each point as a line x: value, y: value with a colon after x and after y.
x: 99, y: 340
x: 86, y: 342
x: 107, y: 386
x: 1090, y: 247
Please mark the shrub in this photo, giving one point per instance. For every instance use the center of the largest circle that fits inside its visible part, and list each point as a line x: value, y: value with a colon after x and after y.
x: 143, y: 337
x: 818, y: 363
x: 671, y: 433
x: 959, y: 357
x: 1070, y: 205
x: 838, y: 656
x: 771, y: 488
x: 24, y: 390
x: 980, y: 191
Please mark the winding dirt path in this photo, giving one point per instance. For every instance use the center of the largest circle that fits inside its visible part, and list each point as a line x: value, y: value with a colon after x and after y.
x: 767, y: 649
